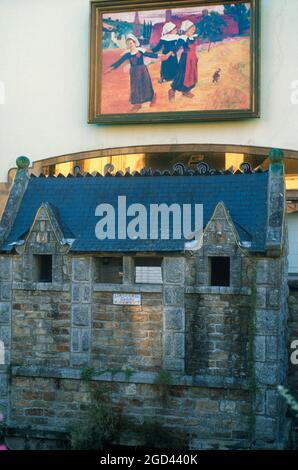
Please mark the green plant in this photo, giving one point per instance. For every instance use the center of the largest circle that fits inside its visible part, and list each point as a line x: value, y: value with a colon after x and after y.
x: 164, y: 381
x: 95, y: 432
x: 87, y: 373
x: 158, y: 436
x: 291, y: 401
x: 2, y: 428
x: 128, y: 373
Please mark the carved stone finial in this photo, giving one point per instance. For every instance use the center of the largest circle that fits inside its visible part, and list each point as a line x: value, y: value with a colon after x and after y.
x: 23, y: 163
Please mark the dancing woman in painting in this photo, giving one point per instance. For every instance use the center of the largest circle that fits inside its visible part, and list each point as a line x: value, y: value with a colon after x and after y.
x: 141, y: 89
x: 167, y: 44
x: 187, y: 75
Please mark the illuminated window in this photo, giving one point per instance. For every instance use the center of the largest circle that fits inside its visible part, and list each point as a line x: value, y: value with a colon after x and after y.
x: 148, y: 270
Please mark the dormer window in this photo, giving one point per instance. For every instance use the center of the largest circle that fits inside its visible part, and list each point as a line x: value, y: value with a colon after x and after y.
x: 43, y: 268
x: 219, y: 269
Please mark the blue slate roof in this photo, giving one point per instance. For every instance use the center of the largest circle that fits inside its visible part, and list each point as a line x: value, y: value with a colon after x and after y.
x: 75, y: 201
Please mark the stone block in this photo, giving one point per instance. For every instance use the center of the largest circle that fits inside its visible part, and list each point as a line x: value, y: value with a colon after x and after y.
x: 227, y: 406
x: 167, y: 344
x: 173, y: 364
x: 130, y: 389
x: 265, y: 429
x: 273, y: 401
x: 3, y: 385
x: 81, y: 315
x: 266, y: 322
x: 79, y: 359
x: 260, y: 348
x: 85, y: 340
x: 271, y: 348
x: 75, y: 340
x: 76, y: 293
x: 174, y: 295
x: 174, y: 318
x: 260, y: 401
x: 6, y: 291
x: 5, y: 335
x: 179, y: 345
x: 274, y: 297
x: 261, y: 296
x: 81, y: 269
x: 266, y: 374
x: 174, y: 270
x: 5, y: 268
x: 4, y: 312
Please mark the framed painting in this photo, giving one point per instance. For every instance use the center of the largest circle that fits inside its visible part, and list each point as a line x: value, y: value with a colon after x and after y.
x: 173, y: 61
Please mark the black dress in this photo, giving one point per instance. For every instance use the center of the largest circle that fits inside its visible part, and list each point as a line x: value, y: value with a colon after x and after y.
x: 170, y: 66
x: 187, y: 75
x: 141, y: 89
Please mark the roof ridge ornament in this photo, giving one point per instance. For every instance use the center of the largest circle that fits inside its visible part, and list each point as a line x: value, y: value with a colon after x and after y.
x: 203, y: 168
x: 179, y: 169
x: 76, y: 170
x: 22, y: 163
x: 246, y: 167
x: 276, y: 159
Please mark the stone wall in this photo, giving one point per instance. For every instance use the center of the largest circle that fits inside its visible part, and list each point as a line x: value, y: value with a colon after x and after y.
x: 127, y: 337
x: 210, y: 417
x: 293, y: 336
x: 217, y: 333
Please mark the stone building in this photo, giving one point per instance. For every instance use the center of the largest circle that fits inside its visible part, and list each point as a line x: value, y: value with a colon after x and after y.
x: 214, y: 320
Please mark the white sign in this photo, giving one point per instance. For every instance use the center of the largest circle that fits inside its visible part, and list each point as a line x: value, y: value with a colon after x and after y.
x: 127, y: 299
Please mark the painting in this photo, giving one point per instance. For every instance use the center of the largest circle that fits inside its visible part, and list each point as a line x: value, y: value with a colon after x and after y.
x: 180, y: 61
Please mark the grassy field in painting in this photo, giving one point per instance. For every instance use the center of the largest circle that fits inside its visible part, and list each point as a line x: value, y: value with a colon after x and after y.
x: 231, y: 92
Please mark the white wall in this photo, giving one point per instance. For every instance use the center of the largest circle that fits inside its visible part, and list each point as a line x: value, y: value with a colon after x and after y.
x: 44, y: 67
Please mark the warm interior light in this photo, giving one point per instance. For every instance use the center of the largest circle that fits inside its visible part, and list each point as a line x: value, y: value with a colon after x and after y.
x: 234, y: 160
x: 292, y: 182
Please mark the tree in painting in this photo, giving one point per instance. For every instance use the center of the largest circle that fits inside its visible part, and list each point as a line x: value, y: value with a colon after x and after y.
x: 241, y: 14
x: 211, y: 27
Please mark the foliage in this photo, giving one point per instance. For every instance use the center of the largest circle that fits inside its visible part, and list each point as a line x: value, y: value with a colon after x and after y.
x: 147, y: 31
x: 122, y: 28
x: 211, y: 27
x: 95, y: 432
x: 2, y: 429
x: 164, y: 381
x: 164, y: 377
x: 87, y: 373
x: 128, y: 373
x: 292, y: 403
x: 156, y: 436
x: 241, y: 14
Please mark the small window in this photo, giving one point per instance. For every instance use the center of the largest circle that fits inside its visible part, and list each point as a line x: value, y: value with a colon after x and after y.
x: 43, y: 269
x: 219, y: 271
x: 108, y: 270
x: 148, y: 270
